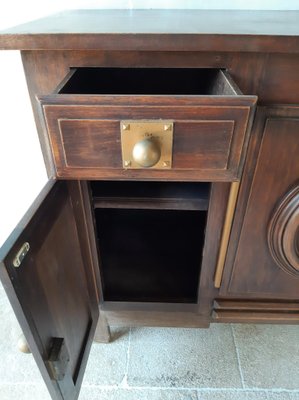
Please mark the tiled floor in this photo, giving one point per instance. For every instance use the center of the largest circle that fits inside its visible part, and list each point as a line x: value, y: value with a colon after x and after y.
x: 225, y: 362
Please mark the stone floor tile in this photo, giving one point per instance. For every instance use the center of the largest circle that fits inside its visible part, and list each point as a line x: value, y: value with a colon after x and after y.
x: 94, y: 393
x: 184, y: 358
x: 23, y: 392
x: 15, y: 367
x: 269, y: 355
x: 107, y: 363
x: 231, y: 395
x: 278, y: 395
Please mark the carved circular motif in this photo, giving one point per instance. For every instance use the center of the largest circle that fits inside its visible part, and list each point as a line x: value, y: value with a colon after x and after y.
x: 283, y: 233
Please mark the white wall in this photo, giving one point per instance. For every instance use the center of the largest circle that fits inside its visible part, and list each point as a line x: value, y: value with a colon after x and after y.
x: 22, y: 172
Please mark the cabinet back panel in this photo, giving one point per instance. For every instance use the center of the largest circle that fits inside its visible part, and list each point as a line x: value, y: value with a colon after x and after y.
x: 150, y: 255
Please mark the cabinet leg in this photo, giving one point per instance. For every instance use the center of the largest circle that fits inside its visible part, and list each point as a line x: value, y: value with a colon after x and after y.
x: 102, y: 334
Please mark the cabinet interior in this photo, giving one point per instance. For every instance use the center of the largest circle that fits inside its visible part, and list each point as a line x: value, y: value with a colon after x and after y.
x: 147, y: 81
x: 150, y: 239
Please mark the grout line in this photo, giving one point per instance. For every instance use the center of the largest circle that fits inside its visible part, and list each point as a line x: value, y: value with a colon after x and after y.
x: 165, y: 388
x: 199, y: 390
x: 238, y: 357
x: 124, y: 383
x: 128, y: 351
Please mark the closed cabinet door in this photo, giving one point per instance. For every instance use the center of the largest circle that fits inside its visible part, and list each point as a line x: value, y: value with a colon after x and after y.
x: 263, y: 256
x: 50, y: 285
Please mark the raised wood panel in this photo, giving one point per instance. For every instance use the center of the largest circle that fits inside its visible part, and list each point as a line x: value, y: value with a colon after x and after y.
x: 96, y: 144
x: 203, y: 144
x: 283, y: 233
x: 90, y: 143
x: 251, y: 269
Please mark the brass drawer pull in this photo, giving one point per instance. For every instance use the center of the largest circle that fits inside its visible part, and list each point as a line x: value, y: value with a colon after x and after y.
x: 147, y: 143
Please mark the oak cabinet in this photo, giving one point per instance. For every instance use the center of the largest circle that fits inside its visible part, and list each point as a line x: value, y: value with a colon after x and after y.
x: 210, y: 234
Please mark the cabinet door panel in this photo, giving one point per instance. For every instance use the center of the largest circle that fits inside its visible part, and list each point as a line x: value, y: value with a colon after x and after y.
x: 51, y: 291
x: 269, y: 229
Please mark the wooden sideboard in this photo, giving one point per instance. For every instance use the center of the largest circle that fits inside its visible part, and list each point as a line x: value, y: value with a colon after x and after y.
x: 202, y: 229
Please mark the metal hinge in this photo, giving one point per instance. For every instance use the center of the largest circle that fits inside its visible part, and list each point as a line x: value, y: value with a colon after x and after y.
x: 21, y: 255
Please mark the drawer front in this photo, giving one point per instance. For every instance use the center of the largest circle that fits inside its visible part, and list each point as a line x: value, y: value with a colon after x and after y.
x: 209, y: 140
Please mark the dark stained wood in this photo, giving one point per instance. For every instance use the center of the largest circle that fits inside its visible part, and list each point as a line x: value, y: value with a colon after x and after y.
x: 150, y: 203
x: 256, y: 311
x: 46, y: 70
x: 102, y: 333
x: 256, y: 305
x: 148, y: 81
x: 215, y: 220
x: 156, y: 318
x: 251, y: 271
x: 256, y: 317
x: 150, y: 255
x: 81, y: 203
x: 210, y: 134
x: 159, y: 30
x: 51, y: 291
x: 283, y: 233
x: 151, y: 195
x: 258, y: 55
x: 279, y: 81
x: 153, y: 314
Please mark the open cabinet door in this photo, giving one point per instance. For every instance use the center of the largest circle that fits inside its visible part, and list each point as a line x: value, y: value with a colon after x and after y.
x: 49, y: 278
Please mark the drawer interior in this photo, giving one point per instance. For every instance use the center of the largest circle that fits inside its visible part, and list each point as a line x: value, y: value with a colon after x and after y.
x: 150, y: 253
x: 148, y: 81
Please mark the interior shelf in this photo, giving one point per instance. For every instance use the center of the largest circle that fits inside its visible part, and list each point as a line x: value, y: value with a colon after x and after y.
x: 151, y: 195
x: 150, y: 238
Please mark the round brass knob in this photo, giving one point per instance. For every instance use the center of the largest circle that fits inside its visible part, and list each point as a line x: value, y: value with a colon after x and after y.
x: 146, y: 153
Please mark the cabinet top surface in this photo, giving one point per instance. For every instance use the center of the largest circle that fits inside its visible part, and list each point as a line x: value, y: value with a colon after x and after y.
x: 217, y: 30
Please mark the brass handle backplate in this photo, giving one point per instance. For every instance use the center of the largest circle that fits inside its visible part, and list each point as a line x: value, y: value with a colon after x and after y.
x: 146, y: 144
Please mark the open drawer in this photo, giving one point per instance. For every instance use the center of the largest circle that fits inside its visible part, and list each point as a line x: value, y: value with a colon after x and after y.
x: 209, y: 114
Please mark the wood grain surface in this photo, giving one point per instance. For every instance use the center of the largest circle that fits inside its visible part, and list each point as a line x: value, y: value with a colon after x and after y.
x: 271, y: 172
x: 159, y: 30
